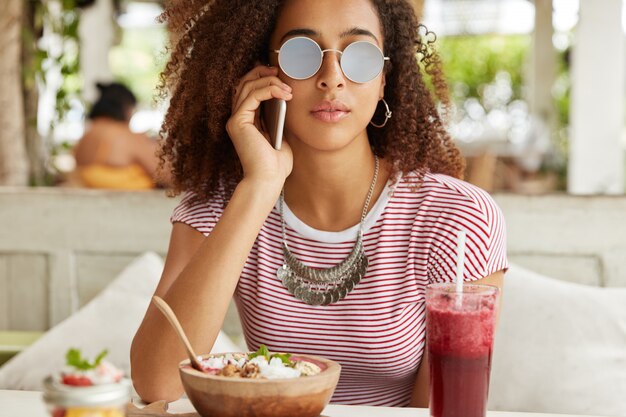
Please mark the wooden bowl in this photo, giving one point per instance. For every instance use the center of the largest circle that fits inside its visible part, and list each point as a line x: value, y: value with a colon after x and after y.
x: 219, y: 396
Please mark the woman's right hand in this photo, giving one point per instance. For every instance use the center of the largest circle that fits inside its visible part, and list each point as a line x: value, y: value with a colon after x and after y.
x: 259, y: 159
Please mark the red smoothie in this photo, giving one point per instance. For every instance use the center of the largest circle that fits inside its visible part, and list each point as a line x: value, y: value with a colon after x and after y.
x: 460, y: 341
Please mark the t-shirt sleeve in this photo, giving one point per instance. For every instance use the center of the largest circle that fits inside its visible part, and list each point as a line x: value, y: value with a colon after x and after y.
x: 201, y: 215
x: 479, y: 216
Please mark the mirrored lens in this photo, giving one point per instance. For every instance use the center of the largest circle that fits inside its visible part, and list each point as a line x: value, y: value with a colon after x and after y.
x: 300, y: 58
x: 362, y: 61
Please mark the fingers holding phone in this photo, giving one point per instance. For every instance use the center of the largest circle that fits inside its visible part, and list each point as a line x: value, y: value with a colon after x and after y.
x: 259, y: 78
x: 260, y: 84
x: 245, y: 126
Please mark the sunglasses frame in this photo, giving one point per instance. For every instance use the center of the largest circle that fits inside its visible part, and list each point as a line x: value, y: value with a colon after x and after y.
x: 323, y: 51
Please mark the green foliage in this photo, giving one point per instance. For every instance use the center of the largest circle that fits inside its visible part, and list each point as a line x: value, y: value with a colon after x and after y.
x: 66, y: 60
x: 60, y: 53
x: 52, y: 36
x: 562, y: 88
x: 470, y: 62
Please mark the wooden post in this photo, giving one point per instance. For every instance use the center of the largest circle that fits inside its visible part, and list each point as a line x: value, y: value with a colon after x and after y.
x: 36, y: 148
x: 543, y: 67
x: 13, y: 161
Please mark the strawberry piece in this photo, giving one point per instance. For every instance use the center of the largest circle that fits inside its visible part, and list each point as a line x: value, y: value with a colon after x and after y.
x: 76, y: 380
x: 58, y: 412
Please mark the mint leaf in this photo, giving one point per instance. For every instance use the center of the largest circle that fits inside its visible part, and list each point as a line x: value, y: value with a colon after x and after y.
x: 284, y: 357
x: 263, y: 351
x: 100, y: 356
x: 75, y: 359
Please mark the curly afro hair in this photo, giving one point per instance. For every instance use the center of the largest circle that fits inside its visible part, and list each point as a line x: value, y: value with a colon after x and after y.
x: 218, y: 41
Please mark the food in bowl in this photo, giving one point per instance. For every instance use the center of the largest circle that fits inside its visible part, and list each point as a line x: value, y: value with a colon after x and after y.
x: 301, y: 385
x: 260, y: 364
x: 87, y: 388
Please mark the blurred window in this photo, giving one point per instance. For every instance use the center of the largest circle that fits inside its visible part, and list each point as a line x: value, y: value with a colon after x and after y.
x: 137, y: 60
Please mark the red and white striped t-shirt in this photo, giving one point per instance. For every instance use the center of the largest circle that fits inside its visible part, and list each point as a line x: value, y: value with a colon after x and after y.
x: 377, y: 331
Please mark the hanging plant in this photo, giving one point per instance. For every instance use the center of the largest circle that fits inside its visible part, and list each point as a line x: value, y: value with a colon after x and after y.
x: 59, y: 65
x: 50, y: 38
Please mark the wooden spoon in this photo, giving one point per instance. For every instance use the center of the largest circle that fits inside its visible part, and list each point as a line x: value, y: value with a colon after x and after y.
x: 171, y: 317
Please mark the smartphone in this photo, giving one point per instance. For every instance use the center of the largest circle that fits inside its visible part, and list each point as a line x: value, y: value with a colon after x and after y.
x: 274, y: 112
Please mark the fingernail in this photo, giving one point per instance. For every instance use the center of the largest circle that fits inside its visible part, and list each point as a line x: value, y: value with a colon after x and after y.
x: 286, y: 87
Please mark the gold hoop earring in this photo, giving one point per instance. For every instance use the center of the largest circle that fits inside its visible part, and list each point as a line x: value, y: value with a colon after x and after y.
x: 387, y: 115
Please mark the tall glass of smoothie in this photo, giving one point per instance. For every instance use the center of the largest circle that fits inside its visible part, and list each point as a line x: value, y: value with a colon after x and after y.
x: 459, y: 336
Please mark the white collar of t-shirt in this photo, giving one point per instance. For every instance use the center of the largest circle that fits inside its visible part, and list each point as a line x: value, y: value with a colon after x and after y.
x: 346, y: 235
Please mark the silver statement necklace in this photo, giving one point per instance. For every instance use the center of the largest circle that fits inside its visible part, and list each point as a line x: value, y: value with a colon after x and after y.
x: 325, y: 286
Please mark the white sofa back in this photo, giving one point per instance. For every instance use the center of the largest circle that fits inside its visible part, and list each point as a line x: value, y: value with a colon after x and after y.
x: 60, y: 247
x: 572, y: 238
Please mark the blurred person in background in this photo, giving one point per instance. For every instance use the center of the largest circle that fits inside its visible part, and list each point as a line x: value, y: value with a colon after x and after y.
x: 110, y: 155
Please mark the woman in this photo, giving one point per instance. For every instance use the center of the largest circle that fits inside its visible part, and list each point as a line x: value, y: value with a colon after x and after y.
x: 109, y: 155
x: 234, y: 233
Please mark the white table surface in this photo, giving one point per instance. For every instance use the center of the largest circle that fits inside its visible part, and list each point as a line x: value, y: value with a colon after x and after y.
x: 30, y: 404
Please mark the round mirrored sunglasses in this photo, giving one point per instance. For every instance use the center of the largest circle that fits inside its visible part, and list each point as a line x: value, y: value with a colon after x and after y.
x: 300, y: 58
